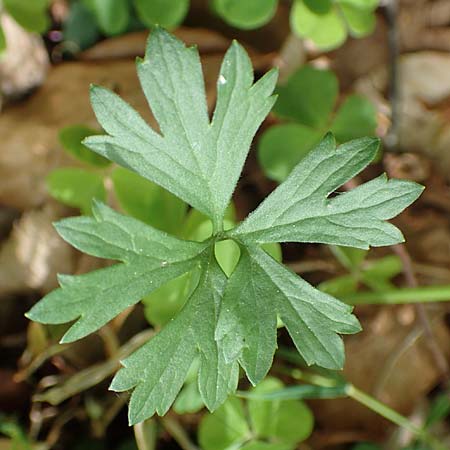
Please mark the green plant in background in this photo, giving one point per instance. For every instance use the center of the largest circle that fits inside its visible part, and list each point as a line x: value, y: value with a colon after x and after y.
x: 374, y: 274
x: 200, y: 161
x: 17, y: 438
x: 257, y: 424
x: 328, y: 22
x: 307, y: 105
x: 29, y: 14
x: 246, y: 15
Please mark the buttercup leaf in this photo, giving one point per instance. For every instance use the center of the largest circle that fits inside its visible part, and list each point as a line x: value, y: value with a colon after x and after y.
x: 196, y: 160
x: 299, y: 210
x: 163, y: 363
x: 150, y: 258
x: 224, y: 321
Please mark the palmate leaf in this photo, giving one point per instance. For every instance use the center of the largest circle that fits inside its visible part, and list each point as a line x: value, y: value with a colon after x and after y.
x: 299, y: 210
x: 225, y: 321
x: 196, y: 160
x: 150, y: 259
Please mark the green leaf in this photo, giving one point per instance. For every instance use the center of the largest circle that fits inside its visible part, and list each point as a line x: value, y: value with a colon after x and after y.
x: 247, y: 14
x: 31, y: 15
x: 281, y: 147
x: 299, y: 210
x: 168, y: 14
x: 319, y: 6
x: 367, y: 5
x: 150, y: 258
x: 356, y: 118
x: 360, y: 21
x: 327, y: 30
x: 113, y: 16
x: 163, y: 304
x: 165, y: 360
x: 366, y: 446
x: 440, y: 409
x: 300, y: 392
x: 189, y: 400
x: 225, y: 427
x: 198, y: 161
x: 80, y: 28
x: 76, y: 187
x: 260, y: 445
x: 377, y: 274
x: 351, y: 258
x: 225, y: 321
x: 147, y: 201
x: 283, y: 421
x: 71, y: 137
x: 265, y: 288
x: 18, y: 438
x: 2, y: 40
x: 308, y: 97
x: 340, y: 286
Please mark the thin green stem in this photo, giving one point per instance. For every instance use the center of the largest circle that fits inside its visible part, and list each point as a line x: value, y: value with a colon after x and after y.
x: 146, y: 434
x: 400, y: 296
x: 371, y: 403
x: 393, y: 416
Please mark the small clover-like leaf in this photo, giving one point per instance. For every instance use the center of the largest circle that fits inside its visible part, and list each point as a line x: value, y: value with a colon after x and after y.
x: 247, y: 15
x: 327, y: 23
x: 308, y: 100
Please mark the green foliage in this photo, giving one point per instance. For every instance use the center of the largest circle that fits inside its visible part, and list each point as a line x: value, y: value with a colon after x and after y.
x: 168, y: 14
x: 225, y: 321
x: 70, y: 139
x: 76, y: 187
x: 113, y: 16
x: 2, y: 39
x: 374, y: 274
x: 440, y: 409
x: 248, y: 14
x: 80, y: 27
x: 18, y: 438
x: 31, y: 15
x: 308, y: 100
x: 147, y: 201
x: 327, y: 22
x: 272, y: 424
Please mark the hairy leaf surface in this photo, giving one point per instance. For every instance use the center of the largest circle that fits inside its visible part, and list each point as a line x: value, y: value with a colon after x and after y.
x: 158, y: 369
x: 300, y: 209
x: 196, y: 160
x: 225, y: 321
x: 150, y: 258
x: 266, y: 288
